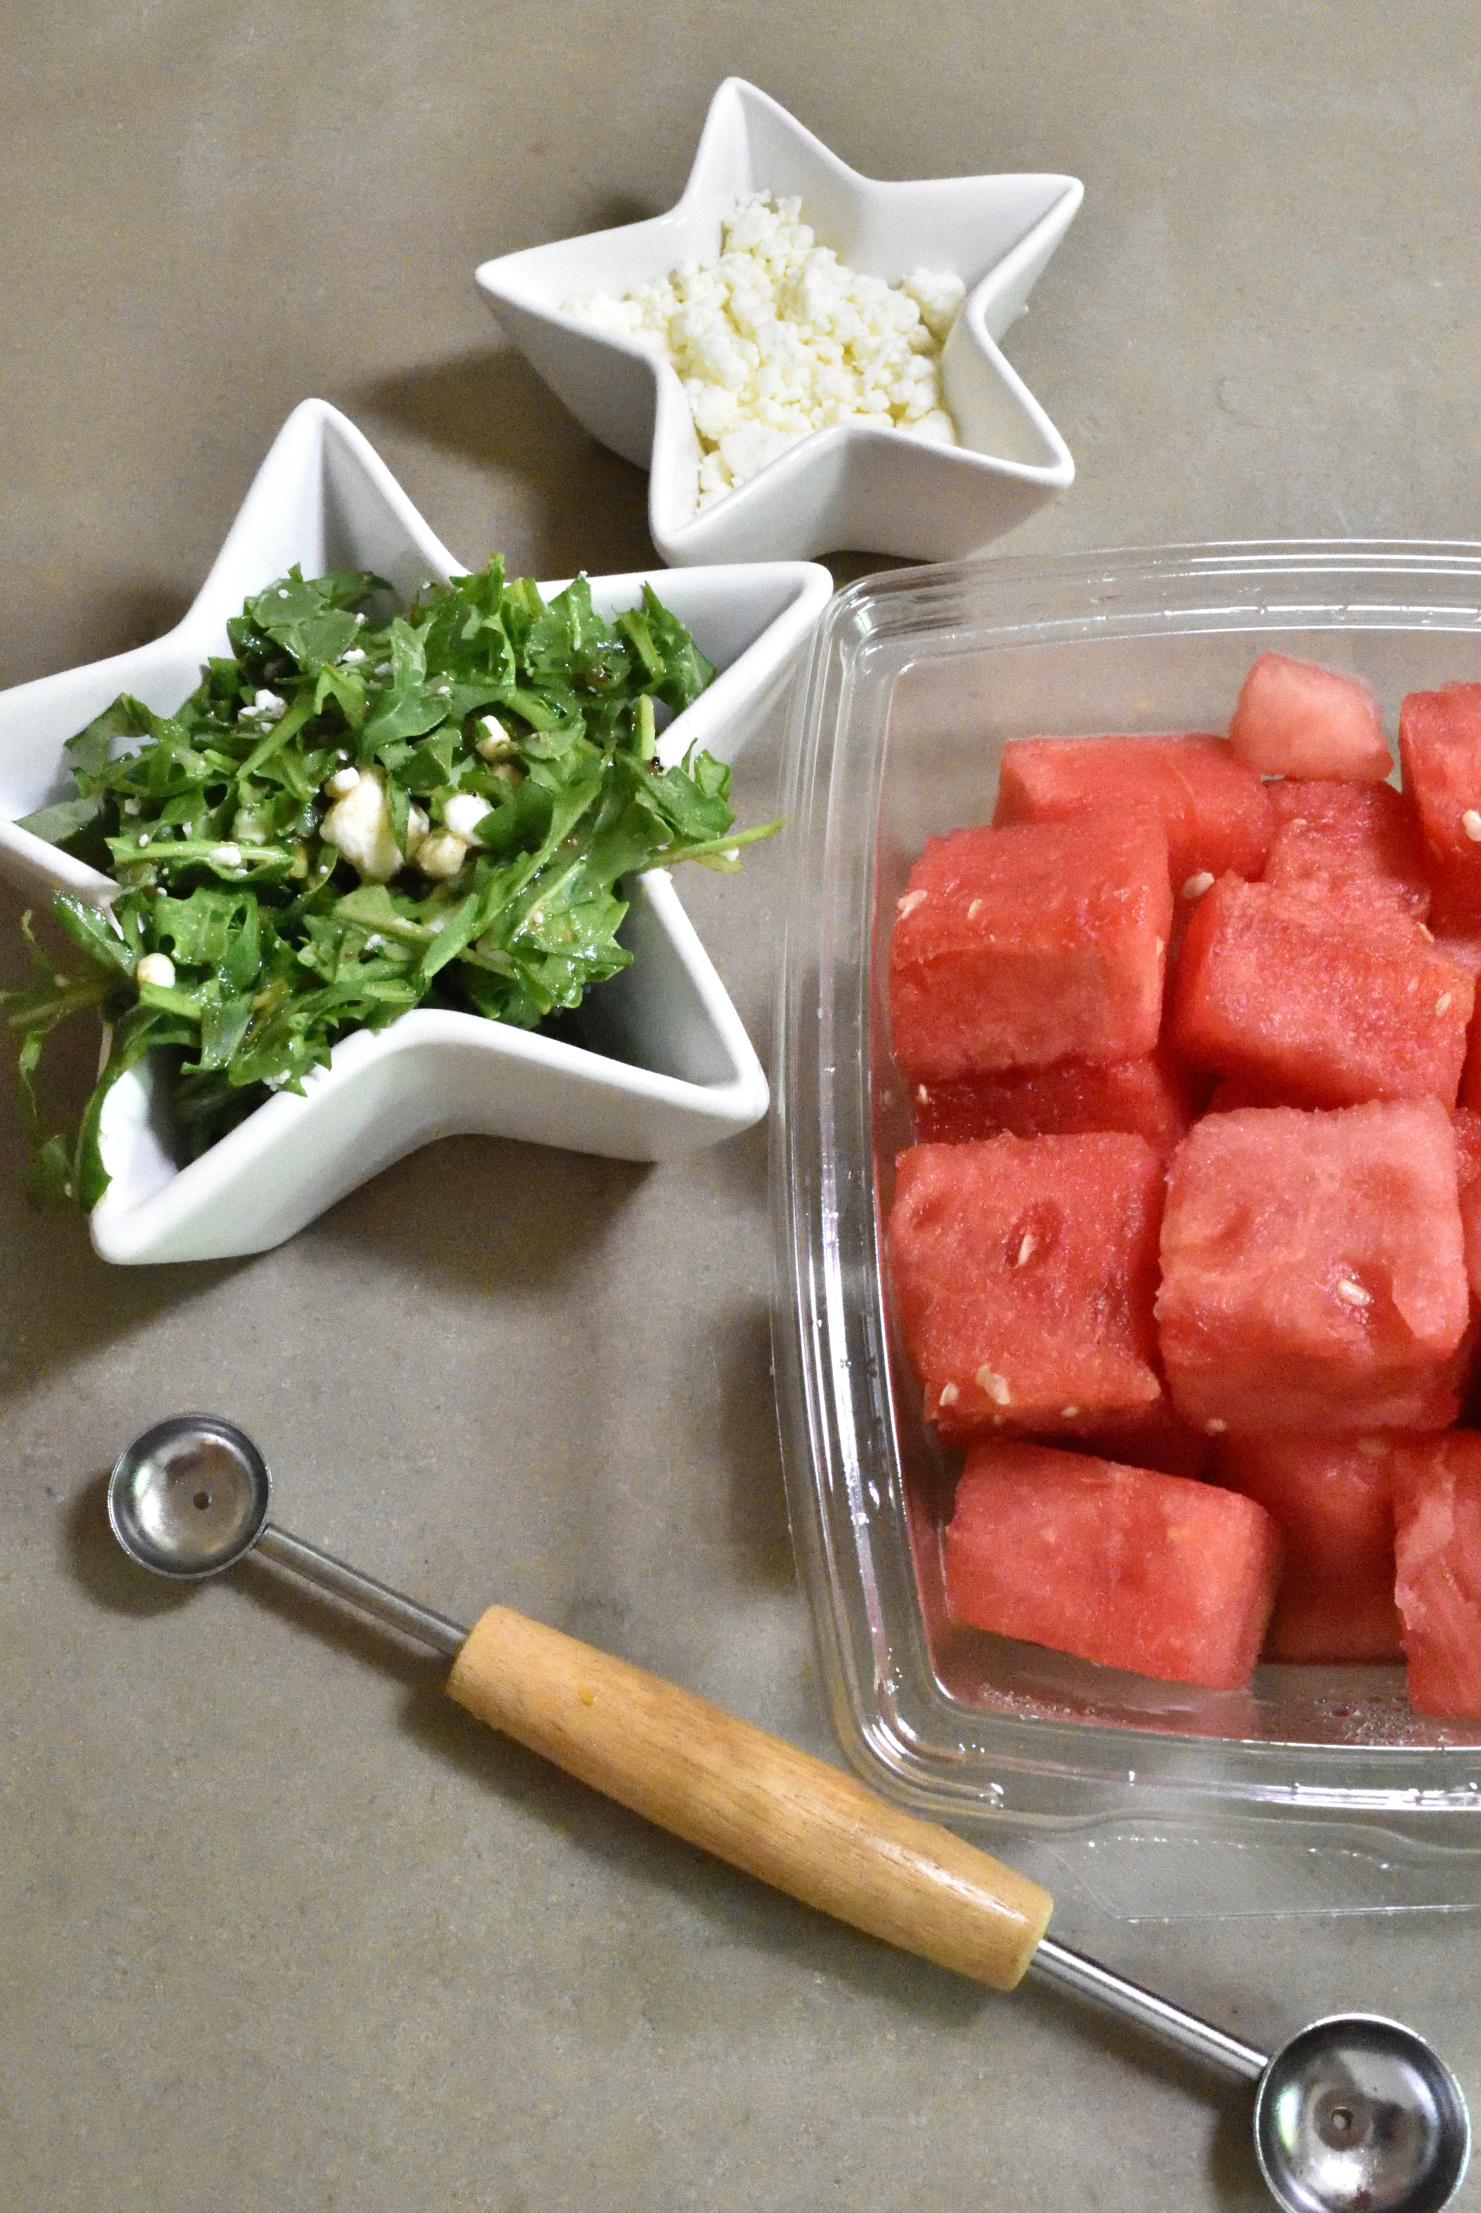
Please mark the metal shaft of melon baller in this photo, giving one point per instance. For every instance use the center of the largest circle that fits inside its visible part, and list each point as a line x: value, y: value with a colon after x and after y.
x: 398, y: 1611
x: 1071, y: 1970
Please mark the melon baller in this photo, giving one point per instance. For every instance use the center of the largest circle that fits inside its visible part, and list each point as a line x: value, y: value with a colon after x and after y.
x: 1354, y: 2114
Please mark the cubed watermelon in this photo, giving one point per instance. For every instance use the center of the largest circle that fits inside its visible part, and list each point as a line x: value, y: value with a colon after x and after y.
x: 1283, y: 990
x: 1024, y: 1271
x: 1015, y: 948
x: 1151, y: 1097
x: 1211, y: 806
x: 1353, y: 842
x: 1440, y: 751
x: 1333, y: 1499
x: 1115, y: 1564
x: 1460, y: 942
x: 1437, y: 1502
x: 1296, y: 718
x: 1468, y: 1172
x: 1313, y: 1270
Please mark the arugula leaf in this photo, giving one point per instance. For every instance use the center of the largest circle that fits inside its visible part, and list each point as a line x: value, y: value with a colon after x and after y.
x: 62, y: 821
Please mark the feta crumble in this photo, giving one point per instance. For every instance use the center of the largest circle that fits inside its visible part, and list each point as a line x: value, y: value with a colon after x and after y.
x: 778, y: 338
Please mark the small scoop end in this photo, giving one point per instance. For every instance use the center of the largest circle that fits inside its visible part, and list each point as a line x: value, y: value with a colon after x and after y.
x: 1359, y: 2115
x: 189, y: 1497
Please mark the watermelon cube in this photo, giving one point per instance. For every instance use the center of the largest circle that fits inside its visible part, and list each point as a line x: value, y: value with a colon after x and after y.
x: 1015, y: 948
x: 1116, y: 1564
x: 1440, y: 750
x: 1284, y: 991
x: 1352, y: 842
x: 1437, y: 1504
x: 1024, y: 1271
x: 1460, y: 942
x: 1468, y: 1171
x: 1150, y: 1096
x: 1313, y: 1270
x: 1296, y: 718
x: 1333, y: 1499
x: 1211, y: 806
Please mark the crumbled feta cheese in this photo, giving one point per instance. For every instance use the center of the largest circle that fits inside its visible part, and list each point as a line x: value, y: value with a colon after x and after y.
x: 496, y: 743
x: 463, y: 813
x: 225, y: 856
x: 157, y: 969
x: 341, y: 783
x: 441, y: 854
x: 267, y: 706
x: 939, y: 298
x: 360, y: 826
x: 778, y: 338
x: 356, y: 653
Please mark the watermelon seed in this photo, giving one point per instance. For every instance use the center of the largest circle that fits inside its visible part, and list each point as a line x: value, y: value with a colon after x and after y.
x: 1353, y: 1294
x: 1470, y: 822
x: 949, y: 1395
x: 1027, y: 1249
x: 1442, y: 1003
x: 1216, y: 1428
x: 913, y: 899
x: 1068, y: 1413
x: 996, y: 1387
x: 1197, y: 885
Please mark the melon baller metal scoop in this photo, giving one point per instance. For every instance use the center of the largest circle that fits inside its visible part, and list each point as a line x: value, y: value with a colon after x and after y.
x: 1354, y: 2114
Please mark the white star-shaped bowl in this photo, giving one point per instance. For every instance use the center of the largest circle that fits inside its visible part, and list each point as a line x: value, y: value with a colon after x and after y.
x: 671, y: 1066
x: 875, y: 491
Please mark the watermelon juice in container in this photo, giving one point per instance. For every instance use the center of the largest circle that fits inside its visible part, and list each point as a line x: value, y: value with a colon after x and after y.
x: 1313, y: 1786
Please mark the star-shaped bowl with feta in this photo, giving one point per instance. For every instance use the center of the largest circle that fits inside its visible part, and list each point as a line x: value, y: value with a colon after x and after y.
x: 803, y: 358
x: 665, y: 1064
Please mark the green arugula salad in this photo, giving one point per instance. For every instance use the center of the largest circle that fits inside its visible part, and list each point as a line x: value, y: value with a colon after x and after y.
x: 357, y: 812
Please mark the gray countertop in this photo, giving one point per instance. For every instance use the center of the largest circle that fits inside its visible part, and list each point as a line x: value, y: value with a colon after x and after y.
x: 281, y: 1927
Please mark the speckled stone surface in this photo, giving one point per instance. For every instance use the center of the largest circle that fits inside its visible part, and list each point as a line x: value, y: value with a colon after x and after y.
x: 282, y: 1928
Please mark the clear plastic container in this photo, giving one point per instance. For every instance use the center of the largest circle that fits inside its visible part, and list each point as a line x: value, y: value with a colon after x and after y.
x: 916, y: 680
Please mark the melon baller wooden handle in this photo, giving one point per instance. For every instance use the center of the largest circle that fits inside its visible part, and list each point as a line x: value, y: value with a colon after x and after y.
x: 750, y: 1799
x: 718, y: 1782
